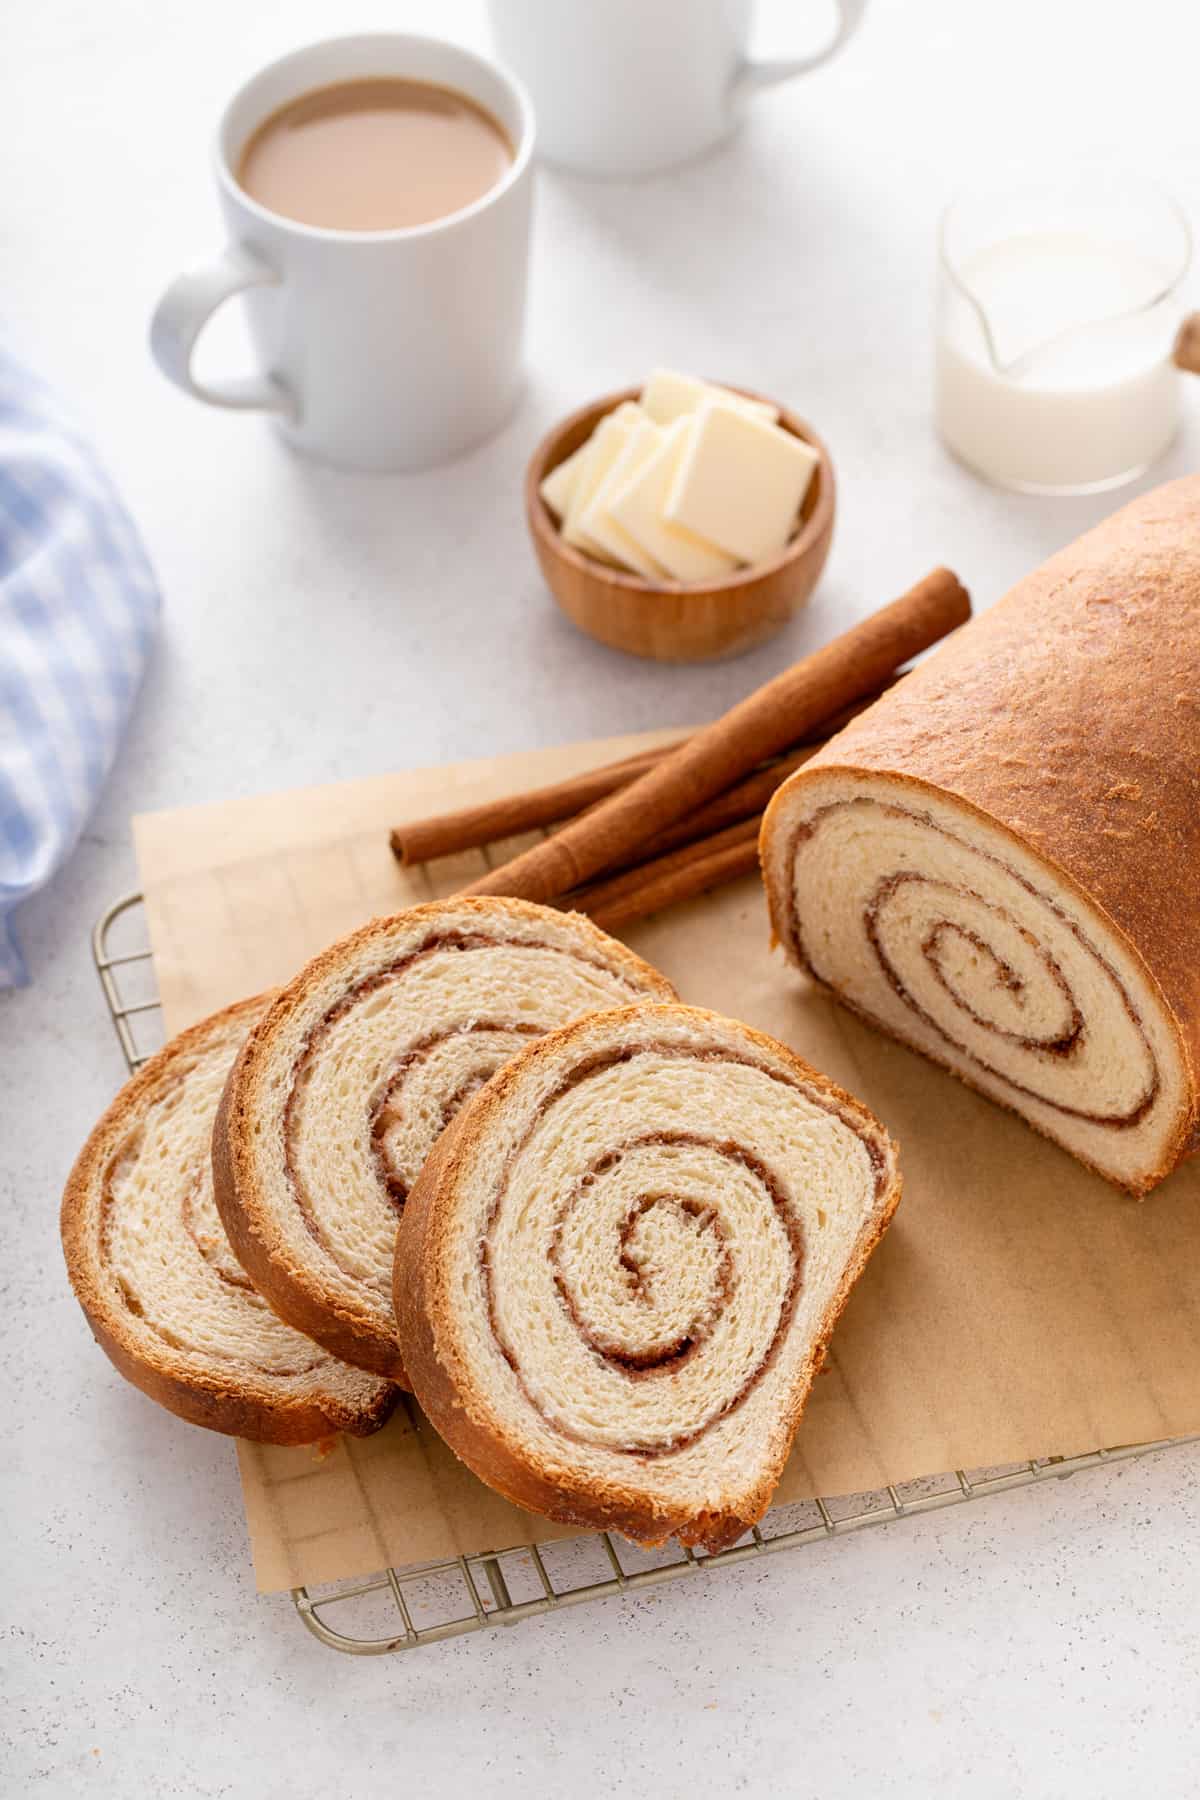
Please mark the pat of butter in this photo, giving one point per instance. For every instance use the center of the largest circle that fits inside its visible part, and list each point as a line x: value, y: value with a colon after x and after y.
x: 599, y: 454
x: 740, y: 482
x: 559, y: 484
x: 637, y: 508
x: 668, y: 394
x: 598, y: 524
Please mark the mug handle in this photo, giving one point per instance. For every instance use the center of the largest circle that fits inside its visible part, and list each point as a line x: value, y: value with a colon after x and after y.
x: 752, y: 77
x: 185, y: 310
x: 1186, y: 354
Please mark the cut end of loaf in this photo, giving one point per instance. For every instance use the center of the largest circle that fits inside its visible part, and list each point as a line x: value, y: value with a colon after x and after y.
x: 618, y: 1271
x: 941, y: 927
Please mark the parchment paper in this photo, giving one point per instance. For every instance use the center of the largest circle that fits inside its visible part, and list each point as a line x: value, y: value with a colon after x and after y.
x: 1018, y: 1307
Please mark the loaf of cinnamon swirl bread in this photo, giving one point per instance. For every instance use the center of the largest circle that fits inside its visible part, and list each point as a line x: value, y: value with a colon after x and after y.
x: 342, y: 1089
x: 619, y: 1268
x: 154, y: 1273
x: 999, y: 862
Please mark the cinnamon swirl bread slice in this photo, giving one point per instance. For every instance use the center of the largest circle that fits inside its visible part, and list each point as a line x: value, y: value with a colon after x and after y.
x: 999, y: 862
x: 153, y: 1271
x: 342, y: 1089
x: 619, y: 1269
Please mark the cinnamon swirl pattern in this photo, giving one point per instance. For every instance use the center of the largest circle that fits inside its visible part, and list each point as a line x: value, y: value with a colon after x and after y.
x: 154, y: 1273
x: 362, y: 1061
x: 950, y: 935
x: 619, y: 1268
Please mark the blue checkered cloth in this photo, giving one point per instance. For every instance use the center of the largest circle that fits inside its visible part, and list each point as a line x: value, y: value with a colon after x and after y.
x: 78, y: 610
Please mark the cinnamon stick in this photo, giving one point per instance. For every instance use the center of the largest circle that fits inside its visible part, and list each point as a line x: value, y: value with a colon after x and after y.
x: 468, y: 827
x: 745, y: 800
x: 444, y: 834
x: 708, y: 863
x: 745, y: 797
x: 759, y: 727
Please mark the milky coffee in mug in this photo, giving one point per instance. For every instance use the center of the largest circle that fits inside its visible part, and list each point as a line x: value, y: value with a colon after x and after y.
x: 379, y: 154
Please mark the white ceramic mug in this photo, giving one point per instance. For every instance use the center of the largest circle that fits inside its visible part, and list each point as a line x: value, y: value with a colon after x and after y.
x: 378, y: 349
x: 628, y: 87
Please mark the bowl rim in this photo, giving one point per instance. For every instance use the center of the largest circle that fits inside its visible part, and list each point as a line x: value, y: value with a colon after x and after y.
x: 542, y: 524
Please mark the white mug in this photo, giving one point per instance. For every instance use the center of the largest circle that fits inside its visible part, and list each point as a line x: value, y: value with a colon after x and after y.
x: 628, y: 87
x: 378, y: 349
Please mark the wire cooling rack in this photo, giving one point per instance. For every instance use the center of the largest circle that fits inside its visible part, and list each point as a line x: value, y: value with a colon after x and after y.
x: 404, y: 1608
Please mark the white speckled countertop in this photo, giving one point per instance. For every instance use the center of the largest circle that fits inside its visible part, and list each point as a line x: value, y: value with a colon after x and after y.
x: 322, y: 626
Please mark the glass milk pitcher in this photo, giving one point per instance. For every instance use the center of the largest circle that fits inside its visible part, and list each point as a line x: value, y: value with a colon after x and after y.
x: 1061, y: 330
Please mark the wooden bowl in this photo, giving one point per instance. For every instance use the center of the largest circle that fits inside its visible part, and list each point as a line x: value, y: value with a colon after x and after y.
x: 674, y: 621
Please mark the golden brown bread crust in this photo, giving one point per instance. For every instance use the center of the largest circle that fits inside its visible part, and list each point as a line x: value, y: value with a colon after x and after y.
x: 425, y: 1309
x: 296, y: 1293
x: 201, y: 1401
x: 200, y: 1396
x: 1068, y: 715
